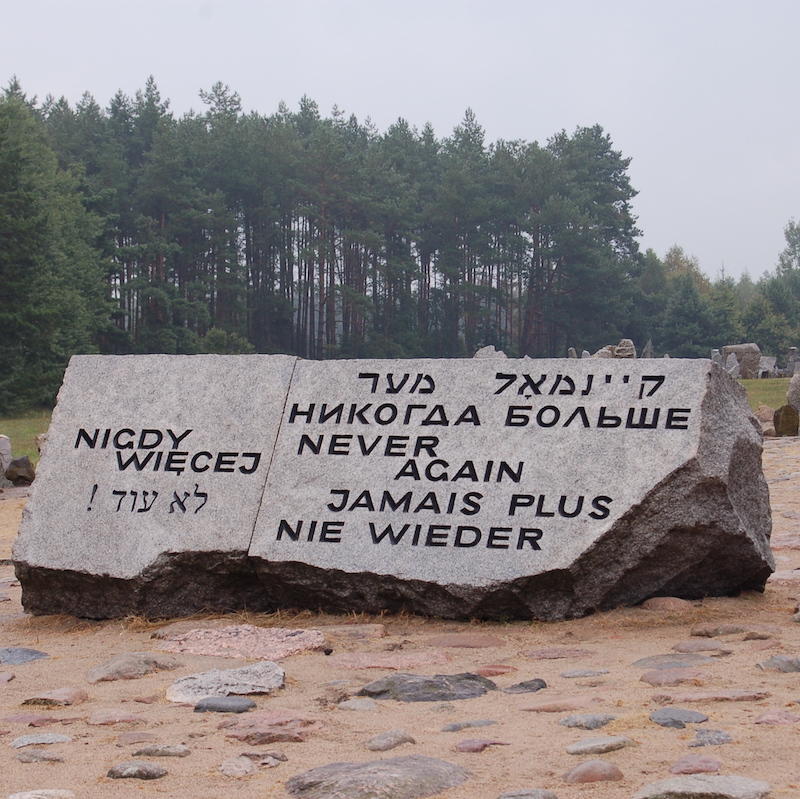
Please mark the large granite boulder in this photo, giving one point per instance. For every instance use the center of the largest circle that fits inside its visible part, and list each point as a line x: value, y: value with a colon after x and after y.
x: 487, y: 488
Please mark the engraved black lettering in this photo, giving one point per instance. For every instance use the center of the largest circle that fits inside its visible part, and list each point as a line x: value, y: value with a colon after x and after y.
x: 339, y: 444
x: 336, y: 411
x: 466, y: 472
x: 436, y: 417
x: 434, y: 538
x: 284, y: 527
x: 514, y: 417
x: 395, y: 389
x: 372, y: 376
x: 678, y: 418
x: 364, y: 501
x: 124, y: 432
x: 468, y: 416
x: 571, y: 514
x: 295, y: 412
x: 394, y: 537
x: 601, y: 509
x: 90, y: 440
x: 331, y: 532
x: 396, y: 446
x: 365, y: 450
x: 358, y: 413
x: 306, y: 442
x: 605, y: 419
x: 409, y: 470
x: 529, y: 384
x: 529, y: 535
x: 225, y: 461
x: 588, y: 388
x: 471, y: 504
x: 579, y: 412
x: 198, y: 493
x: 504, y: 469
x: 643, y: 423
x: 429, y: 502
x: 427, y: 443
x: 656, y: 380
x: 436, y: 477
x: 256, y: 458
x: 177, y: 439
x: 176, y: 462
x: 156, y: 435
x: 520, y: 501
x: 497, y: 538
x: 510, y: 380
x: 403, y: 504
x: 345, y: 494
x: 409, y: 409
x: 540, y: 511
x: 145, y: 507
x: 194, y: 463
x: 134, y: 459
x: 548, y: 416
x: 465, y: 530
x: 176, y: 500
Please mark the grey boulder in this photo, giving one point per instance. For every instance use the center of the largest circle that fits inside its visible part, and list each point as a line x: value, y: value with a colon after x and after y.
x: 704, y: 786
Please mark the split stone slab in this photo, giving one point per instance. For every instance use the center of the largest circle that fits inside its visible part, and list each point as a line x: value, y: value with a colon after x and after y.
x: 224, y: 704
x: 38, y: 756
x: 587, y: 721
x: 258, y: 678
x: 702, y: 786
x: 599, y: 746
x: 152, y: 476
x: 410, y: 777
x: 163, y: 750
x: 393, y: 486
x: 390, y: 739
x: 44, y: 739
x: 237, y: 767
x: 676, y: 717
x: 680, y: 508
x: 274, y: 726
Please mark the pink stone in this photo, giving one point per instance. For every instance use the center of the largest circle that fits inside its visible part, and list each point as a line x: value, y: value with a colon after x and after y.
x: 60, y: 696
x: 6, y: 676
x: 777, y: 717
x: 495, y: 670
x: 769, y: 643
x: 761, y: 632
x: 673, y: 676
x: 31, y: 719
x: 264, y: 727
x: 246, y: 641
x: 695, y: 764
x: 557, y: 653
x: 477, y: 744
x: 386, y: 660
x: 670, y: 603
x: 465, y: 640
x: 562, y: 705
x: 593, y: 771
x: 109, y: 717
x: 788, y: 577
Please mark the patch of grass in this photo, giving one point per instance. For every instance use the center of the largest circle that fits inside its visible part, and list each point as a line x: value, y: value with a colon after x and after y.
x: 22, y: 430
x: 769, y: 391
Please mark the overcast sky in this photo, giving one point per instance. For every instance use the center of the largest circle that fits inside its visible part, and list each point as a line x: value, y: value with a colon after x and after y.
x: 701, y: 94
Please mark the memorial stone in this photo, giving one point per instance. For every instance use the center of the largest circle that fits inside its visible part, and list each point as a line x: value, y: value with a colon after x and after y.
x: 716, y: 357
x: 647, y: 352
x: 792, y: 360
x: 732, y: 365
x: 748, y: 357
x: 148, y: 489
x: 481, y: 488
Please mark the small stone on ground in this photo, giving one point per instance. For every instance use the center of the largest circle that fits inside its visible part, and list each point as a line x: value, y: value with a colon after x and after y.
x: 593, y: 771
x: 136, y: 770
x: 704, y: 787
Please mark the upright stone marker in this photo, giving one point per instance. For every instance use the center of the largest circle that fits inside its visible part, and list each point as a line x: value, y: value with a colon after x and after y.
x: 539, y: 488
x: 487, y: 488
x: 149, y: 484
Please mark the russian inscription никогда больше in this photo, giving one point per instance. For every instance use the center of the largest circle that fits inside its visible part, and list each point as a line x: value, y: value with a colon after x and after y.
x: 486, y: 488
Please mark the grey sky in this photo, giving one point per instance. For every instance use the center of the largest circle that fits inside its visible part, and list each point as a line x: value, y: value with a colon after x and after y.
x: 702, y: 95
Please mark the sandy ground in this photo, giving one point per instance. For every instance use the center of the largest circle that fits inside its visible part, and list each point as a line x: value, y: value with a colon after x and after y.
x: 536, y: 755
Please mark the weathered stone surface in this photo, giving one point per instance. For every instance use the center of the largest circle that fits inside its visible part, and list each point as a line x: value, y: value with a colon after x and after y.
x: 701, y: 786
x: 528, y: 793
x: 43, y: 739
x: 593, y: 771
x: 682, y: 661
x: 224, y: 704
x: 673, y: 676
x: 587, y: 721
x: 354, y: 630
x: 38, y: 756
x: 748, y: 357
x: 237, y: 767
x: 258, y: 678
x: 561, y: 705
x: 695, y: 764
x: 388, y: 740
x: 131, y: 666
x: 131, y: 738
x: 784, y: 663
x: 59, y: 697
x: 246, y: 641
x: 163, y: 750
x: 793, y: 393
x: 457, y: 726
x: 358, y: 704
x: 526, y: 687
x: 182, y: 546
x: 439, y: 688
x: 786, y: 421
x: 477, y: 744
x: 266, y: 727
x: 713, y: 696
x: 20, y: 472
x: 137, y: 770
x: 17, y: 655
x: 576, y: 674
x: 107, y: 718
x: 557, y: 653
x: 408, y: 777
x: 661, y: 493
x: 677, y: 717
x: 712, y: 648
x: 712, y: 630
x: 44, y: 793
x: 598, y: 746
x: 711, y: 738
x: 777, y: 717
